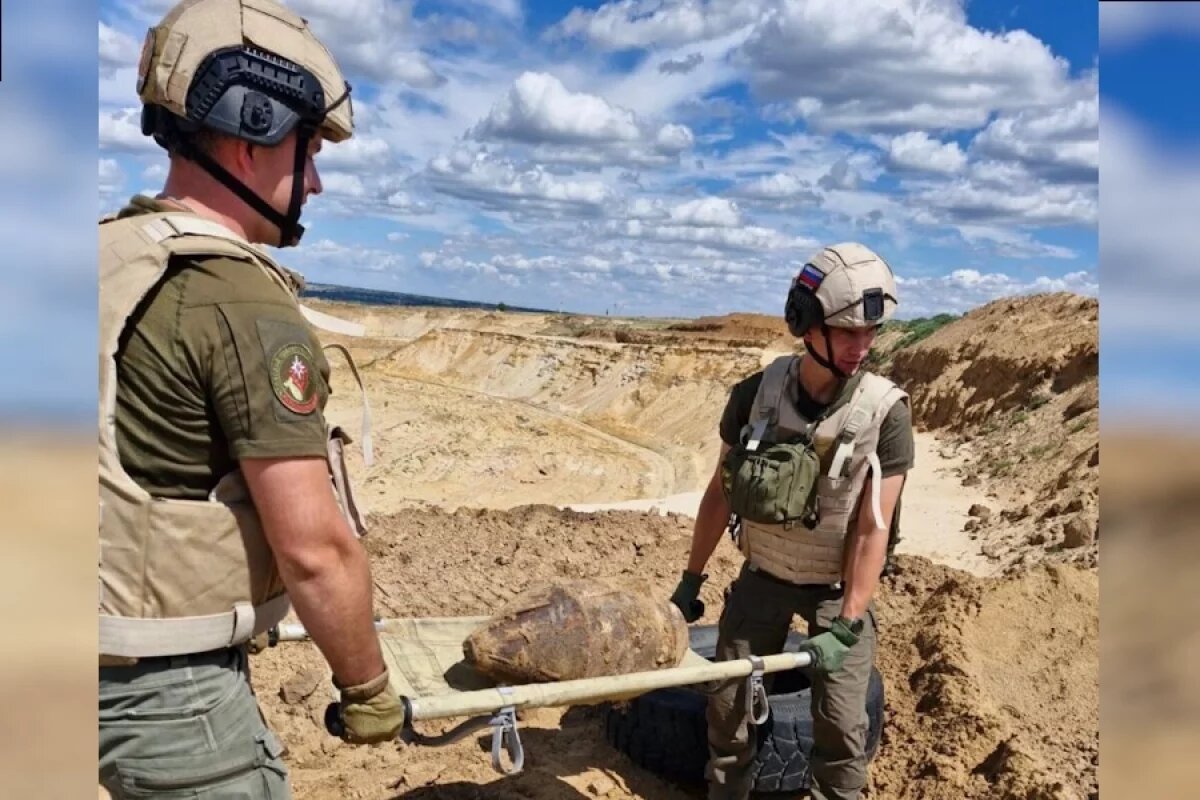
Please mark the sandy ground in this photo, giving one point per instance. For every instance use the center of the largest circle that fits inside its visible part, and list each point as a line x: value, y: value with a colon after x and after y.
x: 935, y: 508
x: 487, y: 426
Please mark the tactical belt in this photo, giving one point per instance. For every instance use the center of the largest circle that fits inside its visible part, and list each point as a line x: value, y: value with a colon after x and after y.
x: 143, y: 637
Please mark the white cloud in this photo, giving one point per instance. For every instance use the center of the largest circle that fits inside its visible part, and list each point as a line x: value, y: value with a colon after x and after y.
x: 539, y: 108
x: 373, y: 38
x: 780, y: 186
x: 576, y: 127
x: 1149, y: 212
x: 1005, y: 193
x: 964, y: 289
x: 749, y: 238
x: 117, y: 49
x: 1058, y: 143
x: 896, y: 64
x: 681, y: 66
x: 500, y: 184
x: 715, y: 212
x: 1010, y: 243
x: 915, y: 150
x: 364, y: 151
x: 111, y: 179
x: 343, y: 183
x: 645, y: 23
x: 1124, y: 24
x: 121, y: 130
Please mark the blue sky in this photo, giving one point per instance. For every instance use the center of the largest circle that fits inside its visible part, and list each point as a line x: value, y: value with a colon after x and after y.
x: 1150, y: 336
x: 683, y: 157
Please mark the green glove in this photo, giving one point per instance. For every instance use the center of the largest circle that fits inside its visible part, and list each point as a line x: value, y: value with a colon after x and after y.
x: 687, y: 596
x: 829, y: 649
x: 370, y: 712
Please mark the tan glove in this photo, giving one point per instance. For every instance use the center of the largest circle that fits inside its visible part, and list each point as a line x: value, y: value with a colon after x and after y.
x: 259, y: 643
x: 371, y: 712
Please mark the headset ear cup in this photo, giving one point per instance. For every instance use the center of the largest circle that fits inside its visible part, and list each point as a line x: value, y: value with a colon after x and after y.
x: 803, y: 310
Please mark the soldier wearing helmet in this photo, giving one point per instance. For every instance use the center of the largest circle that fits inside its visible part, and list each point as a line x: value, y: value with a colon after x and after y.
x: 224, y: 496
x: 815, y: 544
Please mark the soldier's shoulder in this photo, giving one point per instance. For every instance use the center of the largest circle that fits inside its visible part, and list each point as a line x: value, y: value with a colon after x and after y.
x: 219, y: 279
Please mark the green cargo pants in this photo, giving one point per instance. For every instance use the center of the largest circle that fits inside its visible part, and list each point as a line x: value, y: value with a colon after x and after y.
x: 755, y: 621
x: 187, y: 726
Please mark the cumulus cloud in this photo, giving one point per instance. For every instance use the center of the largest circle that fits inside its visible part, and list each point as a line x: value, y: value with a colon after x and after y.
x: 780, y: 187
x: 539, y: 108
x: 916, y: 151
x: 576, y: 127
x: 1011, y: 243
x: 117, y: 49
x: 373, y: 38
x: 681, y: 66
x: 897, y: 64
x: 121, y: 130
x: 645, y: 23
x: 964, y: 289
x: 499, y: 184
x: 1057, y: 143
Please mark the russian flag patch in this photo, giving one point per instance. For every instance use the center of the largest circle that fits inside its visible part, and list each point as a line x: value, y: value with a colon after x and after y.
x: 811, y: 277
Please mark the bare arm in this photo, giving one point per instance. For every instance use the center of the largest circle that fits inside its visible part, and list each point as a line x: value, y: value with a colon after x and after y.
x: 322, y: 564
x: 711, y: 519
x: 866, y: 549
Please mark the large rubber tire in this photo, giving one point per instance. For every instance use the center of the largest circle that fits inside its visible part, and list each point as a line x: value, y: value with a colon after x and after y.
x: 665, y: 730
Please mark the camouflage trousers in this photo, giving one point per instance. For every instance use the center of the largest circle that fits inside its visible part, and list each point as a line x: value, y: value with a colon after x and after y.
x: 755, y: 621
x: 187, y: 726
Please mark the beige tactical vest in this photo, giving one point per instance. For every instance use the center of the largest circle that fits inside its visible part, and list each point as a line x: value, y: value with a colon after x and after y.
x: 846, y: 441
x: 184, y: 576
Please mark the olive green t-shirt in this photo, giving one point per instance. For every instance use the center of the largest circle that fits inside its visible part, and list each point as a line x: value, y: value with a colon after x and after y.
x: 215, y: 365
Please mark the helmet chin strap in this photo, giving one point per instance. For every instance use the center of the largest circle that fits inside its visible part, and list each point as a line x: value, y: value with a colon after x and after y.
x: 290, y: 229
x: 826, y: 361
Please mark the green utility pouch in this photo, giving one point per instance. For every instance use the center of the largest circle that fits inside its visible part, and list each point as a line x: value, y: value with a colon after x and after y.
x: 776, y: 485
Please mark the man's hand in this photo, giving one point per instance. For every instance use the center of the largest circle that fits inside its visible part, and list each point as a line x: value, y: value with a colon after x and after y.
x: 829, y: 649
x: 687, y: 596
x: 370, y: 712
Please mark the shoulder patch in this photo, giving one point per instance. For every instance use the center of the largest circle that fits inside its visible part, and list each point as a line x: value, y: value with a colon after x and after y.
x: 292, y: 378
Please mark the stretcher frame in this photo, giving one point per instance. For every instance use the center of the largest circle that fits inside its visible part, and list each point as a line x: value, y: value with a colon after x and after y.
x: 428, y: 672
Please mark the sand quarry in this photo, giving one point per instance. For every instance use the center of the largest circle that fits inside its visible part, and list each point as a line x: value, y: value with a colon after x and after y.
x: 517, y: 448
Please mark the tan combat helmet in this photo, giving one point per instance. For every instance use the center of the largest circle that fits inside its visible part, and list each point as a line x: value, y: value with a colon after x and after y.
x: 844, y: 286
x: 251, y: 69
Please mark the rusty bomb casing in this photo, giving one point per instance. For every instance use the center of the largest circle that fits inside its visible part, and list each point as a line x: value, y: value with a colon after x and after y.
x: 577, y: 629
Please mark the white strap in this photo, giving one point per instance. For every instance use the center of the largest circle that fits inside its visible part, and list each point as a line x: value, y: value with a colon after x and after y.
x: 150, y: 637
x: 331, y: 323
x: 367, y: 449
x: 858, y: 415
x: 876, y: 479
x: 756, y: 434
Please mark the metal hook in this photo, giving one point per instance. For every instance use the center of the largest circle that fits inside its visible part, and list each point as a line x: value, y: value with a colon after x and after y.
x: 756, y: 693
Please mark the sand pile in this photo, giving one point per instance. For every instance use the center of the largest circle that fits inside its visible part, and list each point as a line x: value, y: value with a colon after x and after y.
x: 992, y: 684
x: 1016, y: 383
x: 485, y: 422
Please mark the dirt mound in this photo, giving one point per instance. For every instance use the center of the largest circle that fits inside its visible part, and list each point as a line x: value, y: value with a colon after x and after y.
x: 991, y: 683
x: 430, y: 563
x: 1017, y: 381
x: 760, y: 329
x: 993, y: 687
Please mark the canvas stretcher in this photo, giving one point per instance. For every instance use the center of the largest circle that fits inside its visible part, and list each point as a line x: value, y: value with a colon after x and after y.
x: 428, y: 672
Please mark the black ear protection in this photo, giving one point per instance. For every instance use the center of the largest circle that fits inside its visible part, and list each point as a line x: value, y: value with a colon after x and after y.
x: 802, y: 310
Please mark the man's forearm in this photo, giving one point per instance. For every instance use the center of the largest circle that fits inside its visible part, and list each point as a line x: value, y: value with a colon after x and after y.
x: 867, y: 553
x: 712, y: 518
x: 333, y: 599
